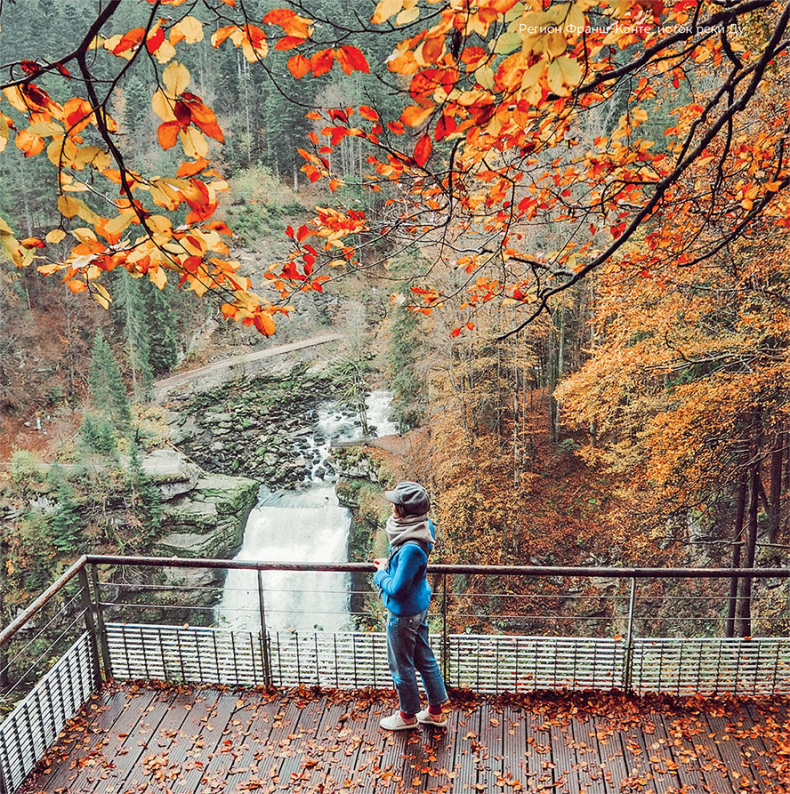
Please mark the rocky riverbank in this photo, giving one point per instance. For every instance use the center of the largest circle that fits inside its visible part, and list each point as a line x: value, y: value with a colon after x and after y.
x: 262, y: 426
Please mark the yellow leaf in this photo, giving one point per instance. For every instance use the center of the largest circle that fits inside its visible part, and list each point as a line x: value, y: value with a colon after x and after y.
x: 188, y: 29
x: 45, y: 128
x: 158, y: 276
x: 58, y: 151
x: 101, y: 296
x: 564, y: 74
x: 532, y: 75
x: 163, y: 107
x: 485, y: 77
x: 3, y: 132
x: 407, y: 15
x: 385, y: 9
x: 176, y: 78
x: 68, y: 206
x: 15, y: 97
x: 194, y: 143
x: 165, y: 52
x: 119, y: 223
x: 55, y: 236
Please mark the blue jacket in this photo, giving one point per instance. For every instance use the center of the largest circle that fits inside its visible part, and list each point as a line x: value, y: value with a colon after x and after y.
x: 404, y: 588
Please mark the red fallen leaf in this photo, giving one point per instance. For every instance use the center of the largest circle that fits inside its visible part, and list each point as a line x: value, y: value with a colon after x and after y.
x: 299, y: 66
x: 422, y: 151
x: 321, y: 62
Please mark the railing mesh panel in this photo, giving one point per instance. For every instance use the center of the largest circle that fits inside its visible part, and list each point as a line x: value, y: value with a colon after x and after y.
x: 37, y: 720
x: 712, y: 666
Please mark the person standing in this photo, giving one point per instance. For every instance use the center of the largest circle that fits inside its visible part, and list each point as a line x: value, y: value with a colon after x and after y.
x: 405, y: 591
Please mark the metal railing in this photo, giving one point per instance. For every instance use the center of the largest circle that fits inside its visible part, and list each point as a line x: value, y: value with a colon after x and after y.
x: 494, y: 629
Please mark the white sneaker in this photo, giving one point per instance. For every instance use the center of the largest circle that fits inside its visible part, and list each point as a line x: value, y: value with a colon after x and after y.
x: 425, y: 717
x: 396, y: 723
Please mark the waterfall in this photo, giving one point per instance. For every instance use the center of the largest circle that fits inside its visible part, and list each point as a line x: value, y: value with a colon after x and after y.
x: 300, y: 526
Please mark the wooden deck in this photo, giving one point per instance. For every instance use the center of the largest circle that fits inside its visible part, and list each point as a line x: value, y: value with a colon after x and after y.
x: 168, y: 739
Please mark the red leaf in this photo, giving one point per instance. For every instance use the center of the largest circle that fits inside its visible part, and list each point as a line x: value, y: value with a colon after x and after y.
x: 422, y: 151
x: 31, y: 67
x: 368, y: 113
x: 322, y: 61
x: 396, y: 127
x: 63, y: 70
x: 190, y: 169
x: 264, y: 323
x: 298, y: 66
x: 206, y: 121
x: 153, y: 42
x: 444, y: 126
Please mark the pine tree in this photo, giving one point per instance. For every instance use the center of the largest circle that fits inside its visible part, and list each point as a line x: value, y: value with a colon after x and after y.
x: 162, y: 327
x: 129, y: 306
x: 106, y: 384
x: 66, y: 522
x: 146, y: 498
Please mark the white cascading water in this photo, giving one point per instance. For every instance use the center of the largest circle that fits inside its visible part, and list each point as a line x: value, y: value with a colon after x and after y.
x: 301, y: 526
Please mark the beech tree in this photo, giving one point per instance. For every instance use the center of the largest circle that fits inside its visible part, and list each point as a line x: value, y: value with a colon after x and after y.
x: 484, y: 167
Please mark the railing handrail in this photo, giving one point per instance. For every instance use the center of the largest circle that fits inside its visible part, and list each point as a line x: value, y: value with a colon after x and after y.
x: 441, y: 568
x: 23, y: 617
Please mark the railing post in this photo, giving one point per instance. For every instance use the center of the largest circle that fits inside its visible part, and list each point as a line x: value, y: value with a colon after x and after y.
x: 629, y: 647
x: 87, y: 605
x: 445, y: 646
x: 102, y: 630
x: 267, y: 664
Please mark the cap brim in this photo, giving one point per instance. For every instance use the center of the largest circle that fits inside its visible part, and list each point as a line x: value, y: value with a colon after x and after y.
x: 393, y: 496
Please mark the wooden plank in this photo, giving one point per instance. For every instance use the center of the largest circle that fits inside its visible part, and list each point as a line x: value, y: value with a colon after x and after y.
x: 491, y: 754
x: 564, y: 758
x: 610, y: 753
x: 440, y: 745
x: 540, y: 767
x: 713, y: 768
x: 660, y: 759
x: 467, y: 755
x: 514, y: 748
x: 588, y: 756
x: 753, y: 726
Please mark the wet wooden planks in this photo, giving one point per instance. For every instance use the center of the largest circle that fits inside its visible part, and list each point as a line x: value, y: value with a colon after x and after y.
x: 169, y: 740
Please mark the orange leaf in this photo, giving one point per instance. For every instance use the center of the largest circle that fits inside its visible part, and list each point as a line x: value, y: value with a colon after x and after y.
x: 264, y: 323
x: 422, y: 151
x: 288, y: 43
x: 299, y: 66
x: 190, y: 169
x: 77, y: 286
x: 351, y: 58
x: 168, y: 134
x: 32, y: 242
x: 278, y: 15
x: 129, y: 40
x: 322, y: 61
x: 205, y: 120
x: 368, y: 113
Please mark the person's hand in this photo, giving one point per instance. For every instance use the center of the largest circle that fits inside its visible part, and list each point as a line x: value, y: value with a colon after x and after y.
x: 380, y: 563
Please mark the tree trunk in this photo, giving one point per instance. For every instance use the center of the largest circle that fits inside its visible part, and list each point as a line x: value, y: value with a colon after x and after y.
x: 745, y: 604
x: 775, y: 500
x: 736, y: 552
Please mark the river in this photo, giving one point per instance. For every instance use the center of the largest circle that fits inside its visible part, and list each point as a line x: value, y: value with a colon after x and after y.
x: 306, y: 525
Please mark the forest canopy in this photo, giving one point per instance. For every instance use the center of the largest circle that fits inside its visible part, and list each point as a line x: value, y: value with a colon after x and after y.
x: 475, y: 134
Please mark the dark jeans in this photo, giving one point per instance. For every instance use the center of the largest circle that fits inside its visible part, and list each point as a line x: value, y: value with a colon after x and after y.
x: 408, y: 650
